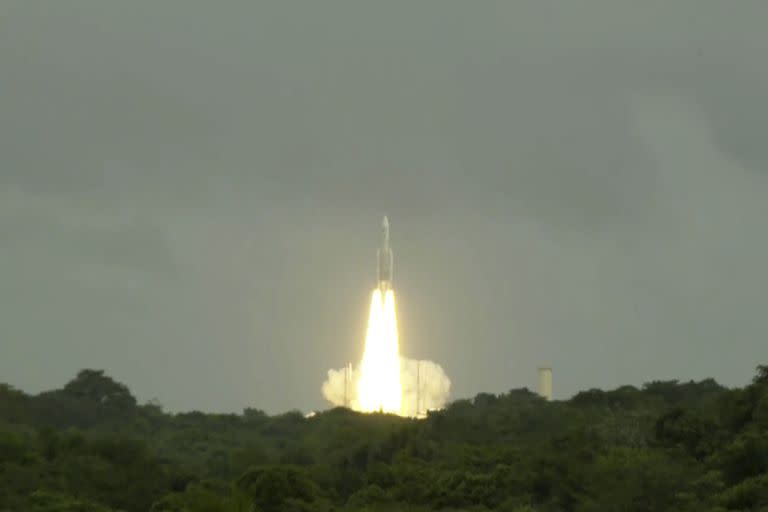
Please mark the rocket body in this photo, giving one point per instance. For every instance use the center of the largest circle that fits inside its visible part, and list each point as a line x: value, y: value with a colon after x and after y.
x: 384, y: 259
x: 379, y: 387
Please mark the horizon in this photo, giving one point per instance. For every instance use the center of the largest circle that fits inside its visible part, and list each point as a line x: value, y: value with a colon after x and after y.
x: 330, y: 407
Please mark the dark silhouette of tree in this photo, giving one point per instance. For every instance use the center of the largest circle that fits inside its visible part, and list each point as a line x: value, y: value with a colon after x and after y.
x: 94, y: 386
x: 762, y: 374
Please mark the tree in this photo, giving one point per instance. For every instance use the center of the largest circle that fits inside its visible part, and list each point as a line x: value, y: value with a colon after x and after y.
x: 209, y: 496
x: 53, y: 502
x: 762, y: 374
x: 13, y: 403
x: 683, y: 428
x: 271, y: 487
x: 94, y: 386
x: 369, y: 495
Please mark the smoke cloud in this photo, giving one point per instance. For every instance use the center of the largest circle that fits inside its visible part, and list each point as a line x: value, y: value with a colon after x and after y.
x: 425, y: 386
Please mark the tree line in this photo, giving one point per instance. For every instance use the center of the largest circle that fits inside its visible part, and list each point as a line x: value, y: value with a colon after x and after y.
x: 666, y: 446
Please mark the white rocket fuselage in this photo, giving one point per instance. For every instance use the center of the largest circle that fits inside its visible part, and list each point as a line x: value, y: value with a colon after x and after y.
x: 384, y: 260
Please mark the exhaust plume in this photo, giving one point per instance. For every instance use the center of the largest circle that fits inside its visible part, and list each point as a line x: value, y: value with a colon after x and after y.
x: 384, y: 381
x: 422, y: 381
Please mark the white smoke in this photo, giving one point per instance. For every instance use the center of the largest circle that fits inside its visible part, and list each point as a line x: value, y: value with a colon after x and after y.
x: 338, y: 388
x: 423, y: 381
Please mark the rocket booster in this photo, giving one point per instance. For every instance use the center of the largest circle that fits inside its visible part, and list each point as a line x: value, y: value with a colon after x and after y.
x: 384, y: 259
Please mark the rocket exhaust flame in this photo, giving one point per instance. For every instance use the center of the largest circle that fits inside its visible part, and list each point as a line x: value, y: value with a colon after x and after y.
x: 379, y: 387
x: 384, y: 381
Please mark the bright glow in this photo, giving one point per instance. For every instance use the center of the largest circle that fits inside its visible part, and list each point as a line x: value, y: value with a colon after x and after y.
x: 379, y: 387
x: 384, y: 381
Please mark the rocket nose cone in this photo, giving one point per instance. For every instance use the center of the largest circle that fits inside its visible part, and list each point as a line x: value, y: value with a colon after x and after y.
x: 385, y: 223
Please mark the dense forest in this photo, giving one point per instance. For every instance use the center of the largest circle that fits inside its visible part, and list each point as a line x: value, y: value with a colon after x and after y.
x: 669, y: 446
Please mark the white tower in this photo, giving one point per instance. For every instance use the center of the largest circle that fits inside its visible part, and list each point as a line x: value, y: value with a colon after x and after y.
x: 545, y: 382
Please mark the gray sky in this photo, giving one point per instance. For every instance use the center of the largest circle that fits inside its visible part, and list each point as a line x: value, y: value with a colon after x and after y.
x: 190, y: 192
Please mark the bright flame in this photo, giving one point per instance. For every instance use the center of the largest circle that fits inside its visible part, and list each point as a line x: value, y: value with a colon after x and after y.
x: 379, y: 387
x: 383, y: 381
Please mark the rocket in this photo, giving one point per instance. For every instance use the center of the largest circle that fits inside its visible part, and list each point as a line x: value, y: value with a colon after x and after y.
x: 384, y: 259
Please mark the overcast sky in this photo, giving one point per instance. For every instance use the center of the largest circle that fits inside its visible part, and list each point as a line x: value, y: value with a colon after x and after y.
x: 191, y: 192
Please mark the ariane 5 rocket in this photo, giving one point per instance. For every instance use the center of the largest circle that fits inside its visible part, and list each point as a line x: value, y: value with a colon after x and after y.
x: 384, y: 259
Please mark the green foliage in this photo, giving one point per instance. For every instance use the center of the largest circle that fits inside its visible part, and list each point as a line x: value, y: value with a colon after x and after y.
x: 367, y: 496
x: 209, y: 496
x: 688, y: 430
x: 762, y: 374
x: 746, y: 495
x: 13, y: 450
x: 94, y: 386
x: 684, y: 447
x: 274, y: 488
x: 41, y: 501
x: 14, y: 405
x: 744, y: 457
